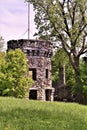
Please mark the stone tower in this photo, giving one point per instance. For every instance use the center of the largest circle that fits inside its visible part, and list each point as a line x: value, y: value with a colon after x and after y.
x: 39, y: 55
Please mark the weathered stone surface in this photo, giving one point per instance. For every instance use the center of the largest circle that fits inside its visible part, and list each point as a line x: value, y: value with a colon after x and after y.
x: 39, y: 55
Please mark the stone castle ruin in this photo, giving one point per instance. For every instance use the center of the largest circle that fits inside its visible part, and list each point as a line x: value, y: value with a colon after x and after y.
x: 39, y: 55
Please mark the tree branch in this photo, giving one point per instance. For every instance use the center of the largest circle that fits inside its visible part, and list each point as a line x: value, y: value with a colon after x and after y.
x: 64, y: 18
x: 83, y: 48
x: 79, y: 33
x: 73, y: 14
x: 64, y: 44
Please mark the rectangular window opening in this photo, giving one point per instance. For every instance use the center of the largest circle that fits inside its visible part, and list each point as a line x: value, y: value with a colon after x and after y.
x: 32, y: 74
x: 48, y: 95
x: 33, y: 94
x: 46, y: 73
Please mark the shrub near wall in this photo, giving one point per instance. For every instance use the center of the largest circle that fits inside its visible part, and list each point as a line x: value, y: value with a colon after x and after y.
x: 14, y: 81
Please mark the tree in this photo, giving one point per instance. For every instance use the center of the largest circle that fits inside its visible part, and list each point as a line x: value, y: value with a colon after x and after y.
x: 14, y: 80
x: 83, y: 69
x: 2, y: 67
x: 1, y: 43
x: 62, y: 70
x: 2, y: 61
x: 64, y: 21
x: 59, y: 61
x: 62, y: 75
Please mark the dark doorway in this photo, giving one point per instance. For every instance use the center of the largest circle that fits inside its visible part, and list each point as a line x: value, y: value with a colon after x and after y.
x: 33, y: 74
x: 33, y: 94
x: 48, y: 94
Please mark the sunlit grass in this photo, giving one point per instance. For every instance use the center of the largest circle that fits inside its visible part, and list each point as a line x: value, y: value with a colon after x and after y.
x: 22, y: 114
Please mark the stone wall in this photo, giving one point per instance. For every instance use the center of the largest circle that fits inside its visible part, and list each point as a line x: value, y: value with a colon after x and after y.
x: 39, y: 55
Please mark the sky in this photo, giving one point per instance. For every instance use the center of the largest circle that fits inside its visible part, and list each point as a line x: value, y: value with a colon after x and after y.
x: 14, y: 20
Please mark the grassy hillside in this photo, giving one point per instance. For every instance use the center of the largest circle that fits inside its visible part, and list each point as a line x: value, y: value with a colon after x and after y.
x: 22, y: 114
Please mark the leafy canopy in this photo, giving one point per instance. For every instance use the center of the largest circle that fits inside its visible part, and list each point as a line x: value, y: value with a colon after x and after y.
x: 13, y: 78
x: 64, y: 21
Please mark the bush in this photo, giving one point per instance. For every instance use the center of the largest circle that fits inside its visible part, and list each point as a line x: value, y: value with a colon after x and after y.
x: 14, y: 80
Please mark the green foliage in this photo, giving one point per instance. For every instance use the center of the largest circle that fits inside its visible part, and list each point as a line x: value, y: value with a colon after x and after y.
x: 17, y: 114
x: 70, y: 80
x: 83, y: 70
x: 1, y: 43
x: 64, y: 21
x: 61, y: 20
x: 2, y: 61
x: 84, y: 87
x: 60, y: 58
x: 13, y: 79
x: 55, y: 77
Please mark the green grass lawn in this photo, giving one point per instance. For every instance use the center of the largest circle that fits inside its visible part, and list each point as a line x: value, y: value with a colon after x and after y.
x: 22, y: 114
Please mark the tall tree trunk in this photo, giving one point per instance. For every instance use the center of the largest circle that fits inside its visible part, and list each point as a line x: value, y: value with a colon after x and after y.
x: 74, y: 60
x: 62, y: 81
x: 77, y: 70
x: 78, y: 87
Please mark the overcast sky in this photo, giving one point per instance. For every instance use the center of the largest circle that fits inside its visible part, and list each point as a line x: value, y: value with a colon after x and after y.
x: 13, y: 19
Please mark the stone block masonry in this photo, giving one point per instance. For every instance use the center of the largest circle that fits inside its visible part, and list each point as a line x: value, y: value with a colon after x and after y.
x: 39, y: 55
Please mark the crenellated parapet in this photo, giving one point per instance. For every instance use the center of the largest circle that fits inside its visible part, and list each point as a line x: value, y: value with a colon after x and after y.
x: 32, y: 47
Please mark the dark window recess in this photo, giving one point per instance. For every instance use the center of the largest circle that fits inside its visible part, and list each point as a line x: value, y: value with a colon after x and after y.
x: 48, y: 95
x: 34, y: 75
x: 38, y: 52
x: 28, y: 52
x: 33, y: 52
x: 33, y: 94
x: 45, y: 53
x: 47, y: 73
x: 50, y: 54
